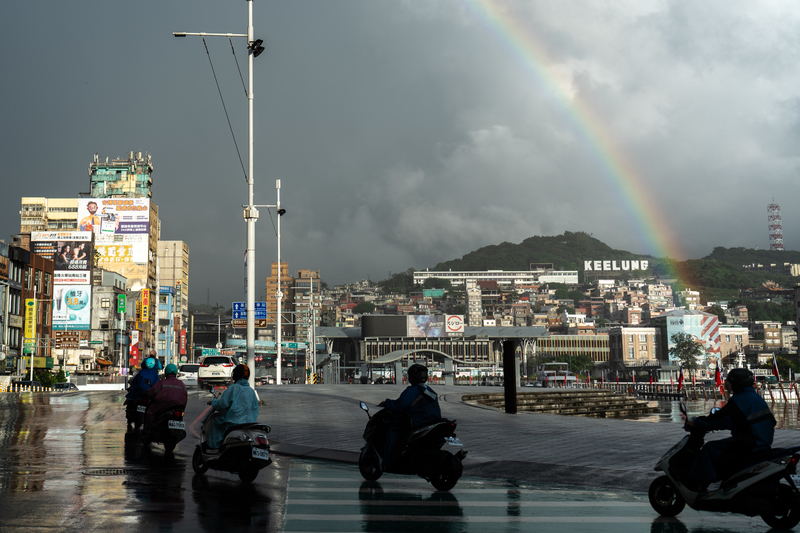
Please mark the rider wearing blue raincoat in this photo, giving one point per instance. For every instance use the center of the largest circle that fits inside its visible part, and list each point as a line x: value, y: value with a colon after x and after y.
x: 143, y: 380
x: 237, y: 405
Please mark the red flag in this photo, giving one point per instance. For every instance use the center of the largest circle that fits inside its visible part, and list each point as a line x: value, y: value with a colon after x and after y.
x: 651, y: 377
x: 671, y: 378
x: 693, y: 382
x: 633, y: 377
x: 588, y: 379
x: 680, y: 379
x: 617, y: 377
x: 718, y: 377
x: 775, y: 368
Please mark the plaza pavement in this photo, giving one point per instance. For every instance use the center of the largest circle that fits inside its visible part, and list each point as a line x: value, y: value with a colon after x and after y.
x: 325, y: 422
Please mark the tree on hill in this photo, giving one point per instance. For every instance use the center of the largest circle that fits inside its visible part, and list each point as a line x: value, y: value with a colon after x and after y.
x: 398, y: 283
x: 363, y: 308
x: 437, y: 283
x: 687, y: 350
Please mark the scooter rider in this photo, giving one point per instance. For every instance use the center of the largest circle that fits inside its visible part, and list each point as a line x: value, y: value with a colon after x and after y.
x: 143, y: 380
x: 166, y: 393
x: 237, y: 405
x: 417, y: 405
x: 750, y: 420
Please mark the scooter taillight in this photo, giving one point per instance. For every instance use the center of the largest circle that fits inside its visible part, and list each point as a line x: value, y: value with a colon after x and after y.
x: 262, y: 440
x: 792, y: 466
x: 178, y: 413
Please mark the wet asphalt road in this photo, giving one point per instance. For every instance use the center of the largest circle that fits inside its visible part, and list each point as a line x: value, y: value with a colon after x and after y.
x: 67, y: 463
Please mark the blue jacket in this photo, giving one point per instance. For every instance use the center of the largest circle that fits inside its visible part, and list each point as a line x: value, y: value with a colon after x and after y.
x: 237, y: 405
x: 419, y: 401
x: 141, y: 382
x: 748, y: 418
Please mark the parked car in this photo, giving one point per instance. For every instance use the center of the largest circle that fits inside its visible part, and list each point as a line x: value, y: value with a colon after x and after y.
x: 64, y: 387
x: 188, y: 374
x: 215, y: 370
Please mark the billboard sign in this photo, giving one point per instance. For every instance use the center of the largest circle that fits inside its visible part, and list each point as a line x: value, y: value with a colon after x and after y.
x: 145, y: 308
x: 604, y: 265
x: 30, y: 318
x: 454, y: 325
x: 426, y: 326
x: 72, y: 309
x: 121, y: 228
x: 72, y: 253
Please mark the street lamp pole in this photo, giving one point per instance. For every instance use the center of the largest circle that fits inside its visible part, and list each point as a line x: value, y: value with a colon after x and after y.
x: 254, y: 48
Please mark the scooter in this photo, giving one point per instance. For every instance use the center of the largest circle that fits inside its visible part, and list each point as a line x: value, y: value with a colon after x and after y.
x: 168, y: 428
x: 134, y: 412
x: 762, y: 487
x: 244, y: 450
x: 418, y: 453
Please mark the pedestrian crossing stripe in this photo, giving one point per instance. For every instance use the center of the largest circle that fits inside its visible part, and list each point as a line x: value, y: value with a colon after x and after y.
x: 408, y: 503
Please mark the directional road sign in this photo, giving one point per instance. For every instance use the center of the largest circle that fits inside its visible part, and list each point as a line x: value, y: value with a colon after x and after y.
x: 240, y: 311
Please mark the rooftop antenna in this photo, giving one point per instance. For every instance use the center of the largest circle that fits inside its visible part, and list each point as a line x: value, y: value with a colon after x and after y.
x: 775, y: 226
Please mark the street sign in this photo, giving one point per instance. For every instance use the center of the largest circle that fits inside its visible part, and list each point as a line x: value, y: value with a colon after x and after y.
x: 242, y: 322
x: 210, y: 351
x: 240, y: 311
x: 294, y: 345
x: 95, y: 342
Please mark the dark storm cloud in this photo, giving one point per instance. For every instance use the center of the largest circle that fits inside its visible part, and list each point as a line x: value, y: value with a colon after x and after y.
x: 409, y: 133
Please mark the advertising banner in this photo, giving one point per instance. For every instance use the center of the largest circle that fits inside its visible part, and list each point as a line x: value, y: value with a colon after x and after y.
x: 121, y: 228
x: 426, y: 326
x: 30, y: 318
x: 145, y: 309
x: 71, y: 307
x: 72, y: 253
x: 454, y: 324
x: 183, y: 342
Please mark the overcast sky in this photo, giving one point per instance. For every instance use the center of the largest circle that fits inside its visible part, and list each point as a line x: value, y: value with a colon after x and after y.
x: 411, y: 132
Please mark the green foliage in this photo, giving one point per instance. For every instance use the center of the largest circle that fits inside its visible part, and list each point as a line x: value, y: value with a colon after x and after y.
x: 561, y: 294
x: 364, y: 307
x: 784, y: 365
x: 399, y: 283
x: 576, y: 362
x: 459, y: 310
x: 686, y: 350
x: 717, y: 310
x: 763, y: 310
x: 45, y: 377
x: 437, y: 283
x: 576, y: 296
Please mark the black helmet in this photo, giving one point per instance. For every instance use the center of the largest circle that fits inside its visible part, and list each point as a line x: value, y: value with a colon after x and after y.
x: 240, y: 372
x: 740, y: 378
x: 417, y: 374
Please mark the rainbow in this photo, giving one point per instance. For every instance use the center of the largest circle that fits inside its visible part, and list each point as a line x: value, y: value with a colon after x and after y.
x: 643, y: 213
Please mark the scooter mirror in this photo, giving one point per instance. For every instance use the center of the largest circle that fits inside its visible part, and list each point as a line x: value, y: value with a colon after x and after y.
x: 364, y: 406
x: 714, y: 410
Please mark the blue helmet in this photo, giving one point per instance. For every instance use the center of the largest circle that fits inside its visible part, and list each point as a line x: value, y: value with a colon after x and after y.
x: 149, y: 363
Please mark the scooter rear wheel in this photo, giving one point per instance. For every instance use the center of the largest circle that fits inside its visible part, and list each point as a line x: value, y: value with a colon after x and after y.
x: 787, y: 509
x: 665, y: 498
x: 450, y: 471
x: 368, y: 465
x: 197, y: 462
x: 248, y: 474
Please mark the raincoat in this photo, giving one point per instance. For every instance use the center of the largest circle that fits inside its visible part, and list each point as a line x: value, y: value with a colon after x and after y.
x: 417, y: 405
x: 166, y: 393
x: 237, y: 405
x: 141, y: 382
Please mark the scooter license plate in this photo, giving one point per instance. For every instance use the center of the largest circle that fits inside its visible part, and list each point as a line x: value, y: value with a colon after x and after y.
x: 454, y: 441
x: 141, y: 408
x: 176, y: 424
x: 260, y: 453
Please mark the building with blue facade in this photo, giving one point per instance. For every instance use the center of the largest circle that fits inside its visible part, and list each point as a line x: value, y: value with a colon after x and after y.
x: 167, y: 339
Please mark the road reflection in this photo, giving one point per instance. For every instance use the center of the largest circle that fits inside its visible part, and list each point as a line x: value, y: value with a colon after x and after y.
x: 416, y: 503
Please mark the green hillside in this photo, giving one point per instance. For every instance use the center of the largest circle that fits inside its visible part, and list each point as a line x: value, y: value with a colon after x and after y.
x: 566, y: 252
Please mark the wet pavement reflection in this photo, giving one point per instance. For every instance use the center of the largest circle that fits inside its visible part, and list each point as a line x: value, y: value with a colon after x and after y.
x: 68, y: 463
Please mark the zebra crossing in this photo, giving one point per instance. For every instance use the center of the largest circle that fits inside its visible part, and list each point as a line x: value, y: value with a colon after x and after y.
x: 330, y: 497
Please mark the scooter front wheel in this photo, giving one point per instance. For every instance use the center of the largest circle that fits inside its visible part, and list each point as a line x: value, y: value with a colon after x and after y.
x: 368, y: 465
x: 197, y: 462
x: 665, y: 498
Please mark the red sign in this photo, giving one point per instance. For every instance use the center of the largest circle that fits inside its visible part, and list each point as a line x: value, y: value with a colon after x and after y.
x: 183, y: 342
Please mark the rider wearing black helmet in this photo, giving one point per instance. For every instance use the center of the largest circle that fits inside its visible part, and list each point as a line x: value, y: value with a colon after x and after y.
x: 750, y: 421
x: 416, y: 406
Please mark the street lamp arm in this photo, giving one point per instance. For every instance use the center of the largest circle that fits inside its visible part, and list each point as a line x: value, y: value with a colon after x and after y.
x: 204, y: 34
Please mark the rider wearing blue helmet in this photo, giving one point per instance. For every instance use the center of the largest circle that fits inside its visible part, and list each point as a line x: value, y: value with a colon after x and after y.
x: 143, y: 380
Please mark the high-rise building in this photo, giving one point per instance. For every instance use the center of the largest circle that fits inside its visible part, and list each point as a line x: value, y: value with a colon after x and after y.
x: 121, y: 178
x: 287, y: 302
x: 307, y: 302
x: 173, y: 267
x: 48, y: 214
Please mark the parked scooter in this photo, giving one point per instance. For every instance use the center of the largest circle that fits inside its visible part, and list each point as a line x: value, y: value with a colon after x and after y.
x: 168, y: 428
x: 244, y: 450
x: 420, y: 451
x: 762, y: 487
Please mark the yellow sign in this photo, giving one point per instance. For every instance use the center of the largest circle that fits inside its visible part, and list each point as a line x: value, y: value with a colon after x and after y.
x: 145, y: 315
x: 30, y: 318
x: 39, y: 362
